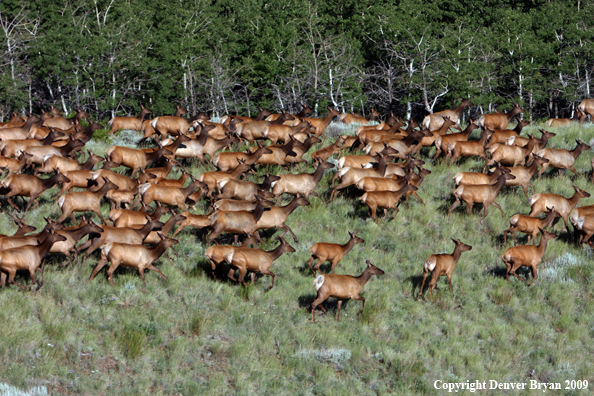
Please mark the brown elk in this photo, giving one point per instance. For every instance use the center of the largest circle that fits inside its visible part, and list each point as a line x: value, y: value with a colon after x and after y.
x: 153, y: 237
x: 26, y: 258
x: 349, y: 119
x: 524, y: 174
x: 473, y: 178
x: 540, y: 202
x: 586, y: 107
x: 320, y: 124
x: 83, y: 201
x: 194, y: 221
x: 245, y: 190
x: 132, y: 123
x: 511, y: 155
x: 529, y: 225
x: 30, y: 186
x: 434, y: 121
x: 481, y: 193
x: 240, y: 222
x: 39, y: 153
x: 442, y: 264
x: 216, y: 254
x: 305, y: 111
x: 10, y: 147
x: 13, y: 165
x: 526, y: 256
x: 130, y: 235
x: 10, y: 242
x: 331, y: 252
x: 22, y: 227
x: 300, y: 148
x: 501, y: 135
x: 283, y: 133
x: 132, y: 255
x: 212, y: 178
x: 73, y: 235
x: 444, y: 141
x: 276, y: 216
x: 253, y: 130
x: 134, y: 159
x: 370, y: 184
x: 562, y: 158
x: 167, y: 195
x: 432, y: 137
x: 171, y: 125
x: 386, y: 200
x: 499, y: 120
x: 154, y: 173
x: 328, y: 151
x: 357, y: 161
x: 228, y: 161
x: 131, y: 218
x: 342, y: 287
x: 468, y: 148
x: 351, y: 176
x: 88, y: 178
x: 18, y: 133
x: 301, y: 183
x: 197, y: 149
x: 54, y: 163
x: 256, y: 260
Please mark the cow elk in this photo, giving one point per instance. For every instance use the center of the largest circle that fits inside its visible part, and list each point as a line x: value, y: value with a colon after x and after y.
x: 526, y: 256
x: 256, y: 260
x: 481, y: 193
x: 442, y: 264
x: 342, y: 287
x: 331, y: 252
x: 132, y: 255
x: 529, y: 225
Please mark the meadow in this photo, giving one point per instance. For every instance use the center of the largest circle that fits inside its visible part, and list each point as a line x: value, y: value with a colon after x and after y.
x: 193, y: 334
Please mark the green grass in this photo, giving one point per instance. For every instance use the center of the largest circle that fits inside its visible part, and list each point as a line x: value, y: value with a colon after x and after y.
x: 194, y: 335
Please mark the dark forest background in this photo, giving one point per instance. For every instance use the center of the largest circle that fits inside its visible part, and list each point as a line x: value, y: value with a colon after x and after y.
x: 230, y: 56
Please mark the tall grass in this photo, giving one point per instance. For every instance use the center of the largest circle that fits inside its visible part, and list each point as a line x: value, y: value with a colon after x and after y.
x: 192, y: 334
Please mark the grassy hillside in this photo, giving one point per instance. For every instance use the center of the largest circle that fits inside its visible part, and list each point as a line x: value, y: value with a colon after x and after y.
x: 195, y: 335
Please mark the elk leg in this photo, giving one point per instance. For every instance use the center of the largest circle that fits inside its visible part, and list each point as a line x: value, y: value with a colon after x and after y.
x: 338, y: 311
x: 513, y: 272
x: 231, y: 275
x: 454, y: 206
x: 98, y: 213
x: 498, y: 207
x: 334, y: 263
x: 450, y: 282
x: 425, y: 273
x: 288, y: 229
x: 112, y: 269
x: 534, y: 275
x: 242, y: 272
x: 318, y: 301
x: 414, y: 194
x: 72, y: 218
x: 98, y: 268
x: 309, y: 262
x: 362, y: 301
x: 486, y: 205
x: 11, y: 204
x: 396, y: 210
x: 153, y: 268
x: 271, y: 274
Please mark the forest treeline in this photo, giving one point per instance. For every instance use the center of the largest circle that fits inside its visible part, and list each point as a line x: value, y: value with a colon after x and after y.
x: 412, y: 57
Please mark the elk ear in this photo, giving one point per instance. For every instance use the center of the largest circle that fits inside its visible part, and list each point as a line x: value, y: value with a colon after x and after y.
x: 455, y: 241
x: 351, y: 234
x: 369, y: 265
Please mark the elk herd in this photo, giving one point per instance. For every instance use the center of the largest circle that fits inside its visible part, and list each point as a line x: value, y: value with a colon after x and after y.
x: 386, y: 162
